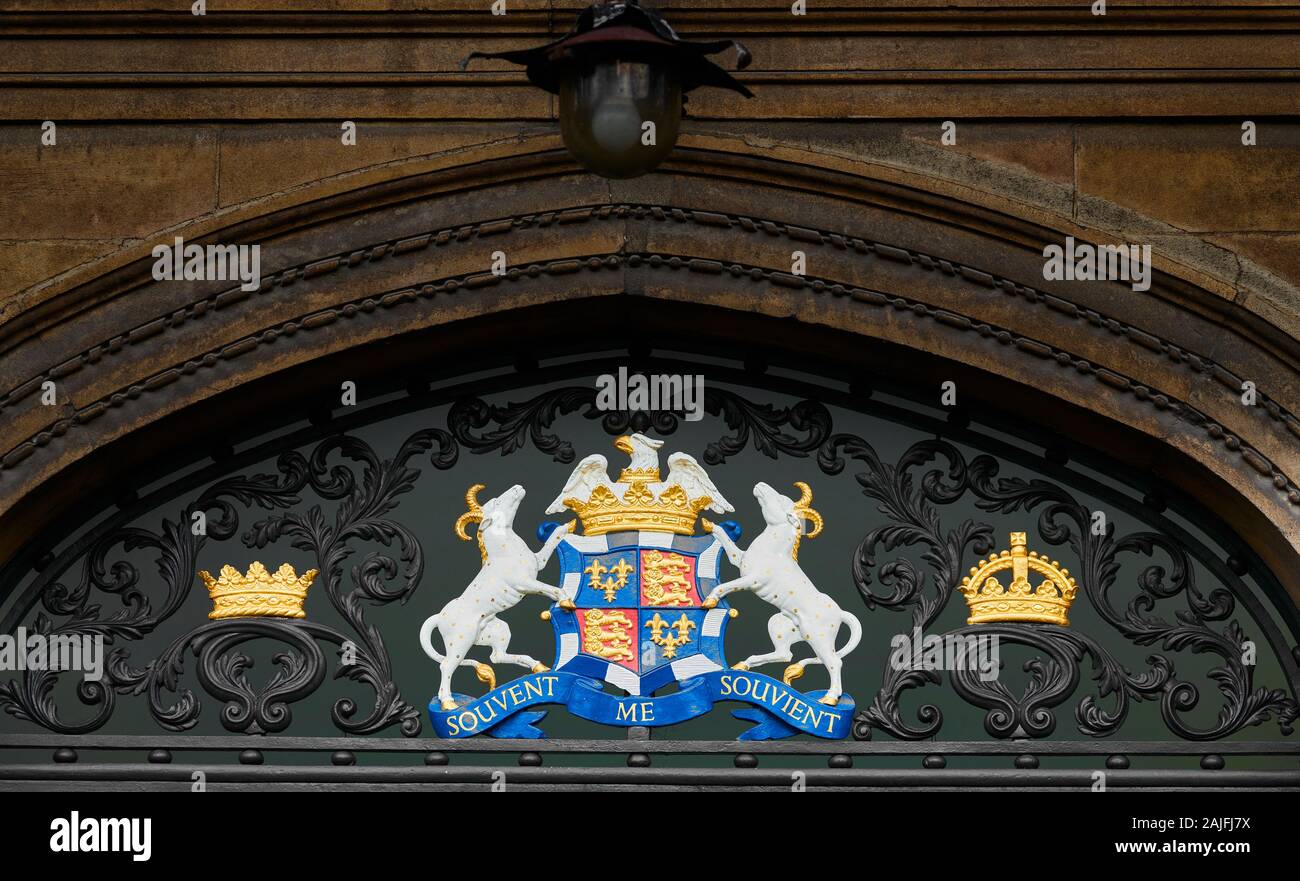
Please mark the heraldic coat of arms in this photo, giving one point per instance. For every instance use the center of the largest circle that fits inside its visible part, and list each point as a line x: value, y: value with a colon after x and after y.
x: 641, y: 606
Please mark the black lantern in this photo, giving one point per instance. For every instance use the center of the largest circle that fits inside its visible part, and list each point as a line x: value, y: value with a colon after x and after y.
x: 622, y: 75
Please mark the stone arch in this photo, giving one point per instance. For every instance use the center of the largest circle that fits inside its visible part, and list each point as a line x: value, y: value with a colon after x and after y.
x: 914, y: 263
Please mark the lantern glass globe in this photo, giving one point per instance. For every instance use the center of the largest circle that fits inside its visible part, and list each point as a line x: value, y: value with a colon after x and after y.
x: 620, y: 118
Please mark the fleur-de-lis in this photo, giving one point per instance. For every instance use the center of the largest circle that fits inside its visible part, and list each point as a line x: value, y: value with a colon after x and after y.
x: 670, y: 642
x: 611, y: 586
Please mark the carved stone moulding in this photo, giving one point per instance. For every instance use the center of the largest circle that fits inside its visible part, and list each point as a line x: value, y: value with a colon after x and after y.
x: 962, y: 295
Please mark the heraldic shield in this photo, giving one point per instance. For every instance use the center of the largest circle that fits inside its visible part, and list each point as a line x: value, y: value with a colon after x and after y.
x: 640, y: 613
x: 639, y: 621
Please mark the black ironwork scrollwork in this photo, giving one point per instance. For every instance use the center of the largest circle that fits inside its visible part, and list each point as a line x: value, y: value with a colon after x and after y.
x: 1053, y: 678
x: 1063, y: 521
x: 914, y: 520
x: 763, y: 425
x: 360, y: 516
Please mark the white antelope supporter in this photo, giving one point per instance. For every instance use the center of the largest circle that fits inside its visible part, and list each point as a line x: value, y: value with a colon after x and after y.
x: 770, y: 568
x: 509, y: 573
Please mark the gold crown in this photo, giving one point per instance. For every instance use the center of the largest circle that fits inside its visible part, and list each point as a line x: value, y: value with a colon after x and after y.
x: 1019, y: 601
x: 259, y: 593
x: 605, y: 512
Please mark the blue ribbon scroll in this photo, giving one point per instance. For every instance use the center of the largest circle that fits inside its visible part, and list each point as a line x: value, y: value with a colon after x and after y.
x: 776, y: 709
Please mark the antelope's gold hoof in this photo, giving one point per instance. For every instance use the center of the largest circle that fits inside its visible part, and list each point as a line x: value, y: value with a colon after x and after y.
x: 793, y: 672
x: 733, y: 612
x: 829, y: 701
x: 740, y: 666
x: 709, y: 603
x: 567, y: 605
x: 449, y: 705
x: 486, y: 675
x: 539, y: 667
x: 546, y: 615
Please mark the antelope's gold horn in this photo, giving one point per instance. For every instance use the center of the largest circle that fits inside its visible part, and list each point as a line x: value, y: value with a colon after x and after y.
x: 802, y: 508
x: 471, y: 497
x: 473, y: 515
x: 805, y: 494
x: 815, y: 519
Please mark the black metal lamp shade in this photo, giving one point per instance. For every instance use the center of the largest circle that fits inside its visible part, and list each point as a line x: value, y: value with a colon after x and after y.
x: 622, y: 75
x: 625, y: 29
